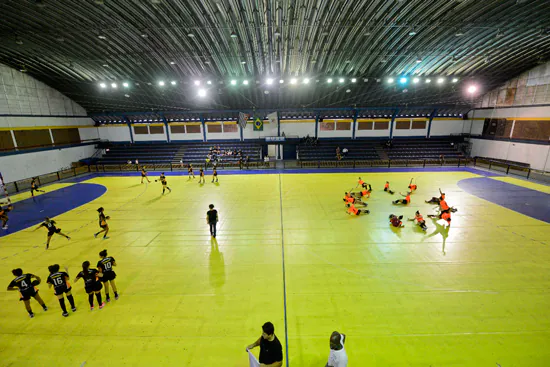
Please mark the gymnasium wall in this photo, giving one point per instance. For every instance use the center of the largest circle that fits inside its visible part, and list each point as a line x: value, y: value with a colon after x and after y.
x: 538, y: 156
x: 21, y: 166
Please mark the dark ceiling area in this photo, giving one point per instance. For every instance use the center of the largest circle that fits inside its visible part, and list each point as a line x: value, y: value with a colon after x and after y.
x: 78, y: 46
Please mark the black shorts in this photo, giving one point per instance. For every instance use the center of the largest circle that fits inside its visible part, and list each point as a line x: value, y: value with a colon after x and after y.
x: 51, y: 233
x: 62, y: 289
x: 95, y: 287
x: 110, y: 275
x: 26, y: 295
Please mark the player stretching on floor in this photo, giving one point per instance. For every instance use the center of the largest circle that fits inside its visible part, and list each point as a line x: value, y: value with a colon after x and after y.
x: 352, y: 210
x: 34, y: 187
x: 60, y: 282
x: 26, y: 287
x: 52, y: 229
x: 214, y: 174
x: 4, y: 215
x: 349, y: 199
x: 201, y: 176
x: 162, y: 179
x: 387, y: 188
x: 103, y: 223
x: 144, y: 174
x: 396, y: 221
x: 419, y: 220
x: 91, y: 284
x: 446, y: 216
x: 412, y: 187
x: 106, y: 265
x: 405, y: 201
x: 190, y: 171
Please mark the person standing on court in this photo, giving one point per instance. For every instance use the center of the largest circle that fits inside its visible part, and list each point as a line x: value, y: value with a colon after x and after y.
x: 337, y: 356
x: 212, y: 219
x: 271, y: 350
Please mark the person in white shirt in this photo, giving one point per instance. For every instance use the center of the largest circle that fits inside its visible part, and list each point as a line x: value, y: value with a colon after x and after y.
x: 337, y: 356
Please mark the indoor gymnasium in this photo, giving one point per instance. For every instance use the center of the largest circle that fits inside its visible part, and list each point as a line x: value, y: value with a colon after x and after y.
x: 275, y: 183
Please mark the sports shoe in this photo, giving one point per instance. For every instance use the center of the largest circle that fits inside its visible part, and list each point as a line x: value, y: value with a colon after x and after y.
x: 68, y: 238
x: 95, y: 235
x: 45, y: 308
x: 108, y: 299
x: 91, y: 308
x: 368, y: 211
x: 65, y: 314
x: 102, y: 305
x: 116, y: 296
x: 106, y: 237
x: 31, y: 315
x: 5, y: 227
x: 74, y: 309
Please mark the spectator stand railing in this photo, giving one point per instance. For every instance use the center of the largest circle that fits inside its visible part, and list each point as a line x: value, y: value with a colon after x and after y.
x: 389, y: 163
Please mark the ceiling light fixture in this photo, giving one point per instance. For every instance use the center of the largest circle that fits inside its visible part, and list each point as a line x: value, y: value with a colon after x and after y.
x: 245, y: 82
x: 233, y: 82
x: 172, y: 63
x: 440, y: 80
x: 113, y: 85
x: 161, y: 83
x: 341, y: 80
x: 306, y: 81
x: 197, y: 82
x: 277, y: 32
x: 209, y: 82
x: 101, y: 37
x: 243, y: 62
x: 390, y: 80
x: 418, y: 60
x: 125, y: 85
x: 293, y: 81
x: 173, y: 82
x: 190, y: 35
x: 455, y: 80
x: 103, y: 85
x: 353, y: 80
x: 416, y: 80
x: 428, y: 81
x: 403, y: 80
x: 329, y: 80
x: 412, y: 32
x: 281, y: 81
x: 459, y: 33
x: 202, y: 93
x: 472, y: 89
x: 233, y: 35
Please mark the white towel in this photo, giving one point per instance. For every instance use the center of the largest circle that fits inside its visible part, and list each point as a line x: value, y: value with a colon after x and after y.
x: 252, y: 359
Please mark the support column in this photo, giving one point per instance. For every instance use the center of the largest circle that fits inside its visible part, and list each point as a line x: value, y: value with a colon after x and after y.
x: 432, y: 115
x: 395, y: 112
x: 13, y: 138
x: 51, y: 136
x: 129, y: 128
x: 203, y: 128
x: 316, y: 124
x: 166, y: 127
x: 354, y: 124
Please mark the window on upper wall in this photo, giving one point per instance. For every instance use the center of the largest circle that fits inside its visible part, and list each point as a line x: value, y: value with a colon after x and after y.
x: 177, y: 129
x: 381, y: 125
x: 193, y: 129
x: 214, y: 128
x: 141, y: 130
x: 230, y: 128
x: 327, y: 126
x: 6, y: 141
x: 367, y: 125
x: 402, y: 125
x: 343, y: 125
x: 32, y: 138
x: 156, y: 129
x: 419, y: 125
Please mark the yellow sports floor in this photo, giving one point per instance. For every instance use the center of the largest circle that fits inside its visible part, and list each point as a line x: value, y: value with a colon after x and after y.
x: 477, y: 294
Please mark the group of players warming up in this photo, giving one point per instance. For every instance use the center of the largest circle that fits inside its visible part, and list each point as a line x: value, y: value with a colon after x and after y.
x: 352, y: 199
x: 94, y: 280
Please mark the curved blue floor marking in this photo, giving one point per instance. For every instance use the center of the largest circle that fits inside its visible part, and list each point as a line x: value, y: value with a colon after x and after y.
x: 532, y: 203
x: 30, y: 212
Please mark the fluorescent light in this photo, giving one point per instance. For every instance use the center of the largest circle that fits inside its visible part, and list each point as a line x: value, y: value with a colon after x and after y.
x: 173, y: 82
x: 428, y: 81
x: 440, y: 80
x: 209, y: 82
x: 245, y: 82
x: 403, y: 80
x: 197, y: 82
x: 416, y: 80
x: 125, y: 85
x: 172, y: 63
x: 161, y: 83
x: 390, y: 80
x: 202, y: 93
x: 293, y: 81
x: 329, y: 80
x: 103, y: 85
x: 353, y: 80
x: 306, y: 81
x: 455, y: 80
x: 269, y: 81
x: 341, y: 80
x: 233, y: 82
x: 113, y: 85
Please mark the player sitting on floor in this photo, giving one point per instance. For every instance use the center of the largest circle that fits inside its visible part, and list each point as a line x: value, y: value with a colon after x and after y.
x: 387, y: 188
x: 352, y: 210
x: 446, y: 216
x: 349, y: 199
x: 396, y: 221
x: 4, y: 215
x: 405, y: 201
x: 419, y: 221
x: 412, y: 187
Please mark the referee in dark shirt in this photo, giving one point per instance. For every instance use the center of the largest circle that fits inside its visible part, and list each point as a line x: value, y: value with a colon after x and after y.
x: 271, y: 350
x: 212, y: 219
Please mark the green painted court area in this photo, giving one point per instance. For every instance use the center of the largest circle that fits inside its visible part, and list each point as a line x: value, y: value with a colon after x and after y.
x: 477, y: 294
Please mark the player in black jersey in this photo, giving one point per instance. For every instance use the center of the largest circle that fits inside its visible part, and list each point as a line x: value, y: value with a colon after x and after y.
x: 103, y: 223
x: 4, y: 215
x: 190, y: 171
x: 106, y: 265
x: 201, y: 176
x: 60, y: 282
x: 26, y: 286
x: 212, y: 219
x: 214, y: 174
x: 92, y: 285
x: 144, y: 174
x: 52, y: 229
x: 34, y: 187
x: 162, y: 179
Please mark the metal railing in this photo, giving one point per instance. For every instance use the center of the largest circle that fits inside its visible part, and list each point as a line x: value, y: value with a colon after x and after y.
x: 387, y: 163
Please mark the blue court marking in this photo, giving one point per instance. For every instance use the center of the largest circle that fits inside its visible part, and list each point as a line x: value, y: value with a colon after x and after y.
x: 30, y: 212
x: 532, y: 203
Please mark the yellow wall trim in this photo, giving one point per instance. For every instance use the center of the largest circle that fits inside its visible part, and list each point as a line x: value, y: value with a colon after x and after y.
x: 46, y: 127
x: 296, y: 121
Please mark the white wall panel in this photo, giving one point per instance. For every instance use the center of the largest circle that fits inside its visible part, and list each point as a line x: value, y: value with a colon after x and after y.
x: 535, y: 154
x: 114, y: 133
